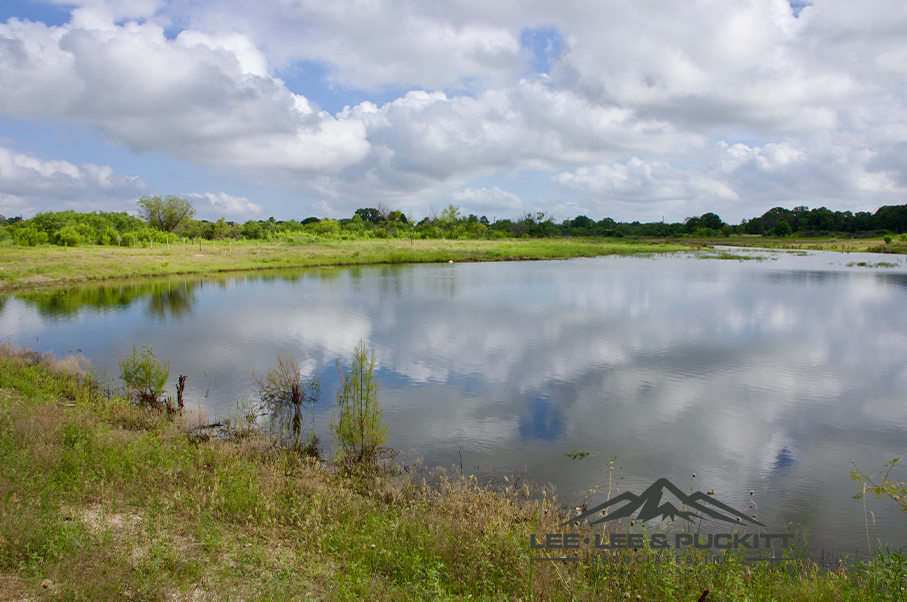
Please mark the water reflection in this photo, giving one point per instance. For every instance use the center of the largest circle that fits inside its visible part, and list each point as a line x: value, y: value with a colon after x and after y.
x: 172, y: 298
x: 768, y: 376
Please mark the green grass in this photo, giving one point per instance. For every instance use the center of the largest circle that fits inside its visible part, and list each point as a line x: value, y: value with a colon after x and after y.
x: 26, y: 268
x: 104, y: 500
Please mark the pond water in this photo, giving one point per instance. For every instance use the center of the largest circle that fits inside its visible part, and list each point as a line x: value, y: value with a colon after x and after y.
x: 768, y: 375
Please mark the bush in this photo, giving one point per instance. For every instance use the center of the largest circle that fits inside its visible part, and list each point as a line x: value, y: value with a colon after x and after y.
x: 144, y: 376
x: 29, y: 237
x: 67, y: 237
x: 110, y: 236
x: 357, y: 426
x: 283, y: 392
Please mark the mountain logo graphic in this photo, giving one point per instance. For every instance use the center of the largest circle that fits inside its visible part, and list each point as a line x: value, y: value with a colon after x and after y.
x: 650, y: 506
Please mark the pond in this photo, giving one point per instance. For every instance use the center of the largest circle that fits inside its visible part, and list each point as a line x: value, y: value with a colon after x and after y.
x: 767, y: 375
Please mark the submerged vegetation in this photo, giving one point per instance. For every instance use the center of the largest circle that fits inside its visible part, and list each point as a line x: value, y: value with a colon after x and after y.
x: 105, y: 499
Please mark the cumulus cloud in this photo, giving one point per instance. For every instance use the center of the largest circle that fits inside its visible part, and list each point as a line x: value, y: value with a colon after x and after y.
x: 30, y: 185
x: 795, y: 95
x: 667, y: 189
x: 206, y: 98
x: 483, y: 199
x: 213, y: 206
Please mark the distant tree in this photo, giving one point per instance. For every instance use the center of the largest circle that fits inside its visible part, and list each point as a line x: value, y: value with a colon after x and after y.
x: 782, y: 228
x: 165, y: 214
x: 451, y: 214
x: 369, y: 214
x: 710, y: 220
x: 581, y: 221
x: 771, y: 217
x: 384, y: 212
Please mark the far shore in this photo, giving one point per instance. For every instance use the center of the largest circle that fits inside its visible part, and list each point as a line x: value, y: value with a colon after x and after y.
x: 42, y: 267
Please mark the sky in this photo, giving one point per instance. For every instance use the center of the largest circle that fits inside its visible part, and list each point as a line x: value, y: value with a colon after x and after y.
x: 643, y: 110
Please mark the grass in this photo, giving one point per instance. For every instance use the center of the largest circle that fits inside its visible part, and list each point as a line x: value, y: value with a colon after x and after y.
x: 104, y: 500
x: 25, y: 268
x: 850, y: 245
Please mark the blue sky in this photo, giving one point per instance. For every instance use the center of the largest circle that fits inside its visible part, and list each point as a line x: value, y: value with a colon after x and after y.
x: 295, y: 108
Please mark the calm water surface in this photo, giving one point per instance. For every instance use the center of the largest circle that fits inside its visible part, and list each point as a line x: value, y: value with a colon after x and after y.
x: 768, y: 375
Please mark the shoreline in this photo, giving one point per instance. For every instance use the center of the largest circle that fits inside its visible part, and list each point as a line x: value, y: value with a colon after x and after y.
x: 103, y: 499
x: 52, y: 267
x: 35, y: 268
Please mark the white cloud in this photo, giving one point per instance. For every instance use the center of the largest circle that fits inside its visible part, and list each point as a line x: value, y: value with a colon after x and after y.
x: 646, y: 181
x: 30, y: 185
x: 814, y: 103
x: 206, y: 98
x: 482, y: 199
x: 223, y: 204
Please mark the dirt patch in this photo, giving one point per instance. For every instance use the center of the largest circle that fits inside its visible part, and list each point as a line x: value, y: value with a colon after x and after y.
x: 14, y: 589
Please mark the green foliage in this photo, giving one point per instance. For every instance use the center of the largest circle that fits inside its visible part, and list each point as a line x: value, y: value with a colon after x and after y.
x: 67, y: 236
x: 110, y: 236
x: 284, y: 392
x: 357, y: 427
x: 782, y: 228
x: 144, y: 376
x: 165, y: 214
x: 29, y: 236
x: 881, y: 484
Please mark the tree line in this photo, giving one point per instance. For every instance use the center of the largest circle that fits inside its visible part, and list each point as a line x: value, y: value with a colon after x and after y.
x: 171, y: 219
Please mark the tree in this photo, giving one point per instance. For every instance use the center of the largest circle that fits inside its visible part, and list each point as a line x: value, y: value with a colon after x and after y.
x: 369, y: 214
x: 165, y: 214
x: 450, y: 215
x: 357, y: 426
x: 710, y: 220
x: 782, y: 228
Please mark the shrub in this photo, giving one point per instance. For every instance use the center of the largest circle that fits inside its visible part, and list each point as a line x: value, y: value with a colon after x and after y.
x: 144, y: 376
x: 357, y: 426
x: 67, y: 237
x: 29, y: 237
x: 283, y: 392
x: 109, y: 236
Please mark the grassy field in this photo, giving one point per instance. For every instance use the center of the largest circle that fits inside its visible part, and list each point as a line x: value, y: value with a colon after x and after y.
x: 44, y: 266
x: 843, y: 245
x: 103, y: 500
x: 54, y: 266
